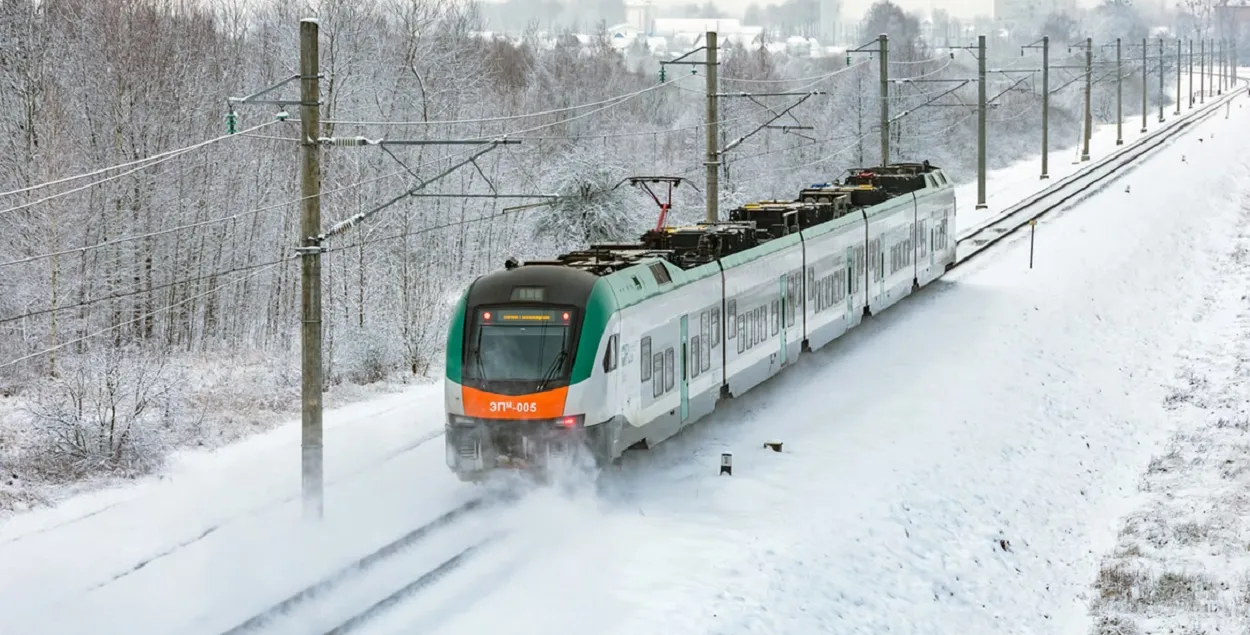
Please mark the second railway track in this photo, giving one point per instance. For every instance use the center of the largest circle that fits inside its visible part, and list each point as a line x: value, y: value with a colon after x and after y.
x: 381, y: 579
x: 1072, y: 189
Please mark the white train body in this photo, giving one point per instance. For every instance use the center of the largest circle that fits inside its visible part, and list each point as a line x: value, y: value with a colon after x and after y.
x: 670, y: 336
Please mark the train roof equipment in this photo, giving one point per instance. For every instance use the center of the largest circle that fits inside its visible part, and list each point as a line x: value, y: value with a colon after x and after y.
x: 748, y: 225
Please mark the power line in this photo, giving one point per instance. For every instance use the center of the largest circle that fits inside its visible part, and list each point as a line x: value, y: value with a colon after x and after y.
x: 796, y: 79
x: 205, y: 223
x: 130, y: 163
x: 168, y: 157
x: 611, y: 101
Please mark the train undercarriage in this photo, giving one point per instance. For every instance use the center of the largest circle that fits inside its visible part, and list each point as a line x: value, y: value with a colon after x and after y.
x: 534, y: 449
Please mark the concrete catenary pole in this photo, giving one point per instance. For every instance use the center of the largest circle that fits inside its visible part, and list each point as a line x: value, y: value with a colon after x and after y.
x: 1202, y: 71
x: 1119, y: 96
x: 883, y: 45
x: 981, y: 204
x: 1089, y: 85
x: 1220, y: 72
x: 1191, y: 73
x: 1179, y: 61
x: 713, y: 151
x: 1161, y: 60
x: 310, y: 227
x: 1045, y: 107
x: 1145, y: 83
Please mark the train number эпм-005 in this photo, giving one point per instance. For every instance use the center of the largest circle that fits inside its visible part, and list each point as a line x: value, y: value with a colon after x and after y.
x: 514, y: 406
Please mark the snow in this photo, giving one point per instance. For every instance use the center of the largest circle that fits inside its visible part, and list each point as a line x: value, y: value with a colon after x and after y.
x: 962, y: 462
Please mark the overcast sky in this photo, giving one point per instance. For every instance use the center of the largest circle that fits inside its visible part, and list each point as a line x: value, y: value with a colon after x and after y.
x: 855, y: 9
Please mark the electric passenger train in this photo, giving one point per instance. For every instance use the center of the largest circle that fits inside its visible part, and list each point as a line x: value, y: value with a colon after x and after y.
x: 619, y: 346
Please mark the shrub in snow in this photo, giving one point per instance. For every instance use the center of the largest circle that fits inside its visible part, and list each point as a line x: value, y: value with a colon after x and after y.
x: 368, y: 355
x: 107, y: 410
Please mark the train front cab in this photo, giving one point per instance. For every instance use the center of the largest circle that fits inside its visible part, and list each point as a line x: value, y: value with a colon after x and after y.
x: 511, y: 353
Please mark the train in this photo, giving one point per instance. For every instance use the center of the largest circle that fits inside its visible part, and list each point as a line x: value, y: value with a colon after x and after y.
x: 617, y: 347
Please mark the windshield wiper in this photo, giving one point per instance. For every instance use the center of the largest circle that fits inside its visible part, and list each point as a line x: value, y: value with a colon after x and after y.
x: 481, y: 365
x: 551, y: 372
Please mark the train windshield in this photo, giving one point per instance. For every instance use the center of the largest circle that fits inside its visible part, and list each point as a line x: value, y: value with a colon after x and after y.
x: 530, y: 346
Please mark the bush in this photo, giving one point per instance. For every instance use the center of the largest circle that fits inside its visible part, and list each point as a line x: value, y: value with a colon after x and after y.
x: 107, y: 411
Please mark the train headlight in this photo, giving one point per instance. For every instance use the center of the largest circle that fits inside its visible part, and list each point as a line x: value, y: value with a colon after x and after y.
x: 460, y: 420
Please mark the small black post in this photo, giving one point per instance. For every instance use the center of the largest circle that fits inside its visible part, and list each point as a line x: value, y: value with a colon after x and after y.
x: 1032, y: 232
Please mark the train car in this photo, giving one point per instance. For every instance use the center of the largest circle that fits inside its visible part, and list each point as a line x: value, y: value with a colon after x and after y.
x: 617, y: 347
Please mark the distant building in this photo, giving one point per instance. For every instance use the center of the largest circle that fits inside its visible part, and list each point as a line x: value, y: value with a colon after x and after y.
x: 830, y: 16
x: 1027, y: 12
x: 690, y: 29
x: 641, y: 16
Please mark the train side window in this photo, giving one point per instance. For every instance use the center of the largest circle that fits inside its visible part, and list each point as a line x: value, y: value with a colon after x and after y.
x: 670, y: 368
x: 695, y: 363
x: 794, y: 299
x: 731, y: 320
x: 609, y: 356
x: 715, y: 327
x: 708, y: 344
x: 645, y: 356
x: 776, y: 316
x: 657, y: 369
x: 742, y: 336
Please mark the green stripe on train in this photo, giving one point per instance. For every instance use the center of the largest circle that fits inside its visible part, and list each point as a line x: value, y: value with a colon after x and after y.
x: 599, y: 309
x: 455, y: 339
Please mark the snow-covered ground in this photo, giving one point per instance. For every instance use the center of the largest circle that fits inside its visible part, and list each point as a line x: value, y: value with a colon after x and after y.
x: 1182, y: 560
x: 960, y: 463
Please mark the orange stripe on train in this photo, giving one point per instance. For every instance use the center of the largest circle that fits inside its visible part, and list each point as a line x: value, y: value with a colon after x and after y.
x: 541, y: 405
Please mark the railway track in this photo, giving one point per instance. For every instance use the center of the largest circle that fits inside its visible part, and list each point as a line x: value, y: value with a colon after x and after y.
x: 377, y: 597
x: 1074, y: 188
x: 369, y: 580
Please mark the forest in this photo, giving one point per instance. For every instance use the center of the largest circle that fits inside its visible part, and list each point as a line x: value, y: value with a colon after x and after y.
x: 149, y: 289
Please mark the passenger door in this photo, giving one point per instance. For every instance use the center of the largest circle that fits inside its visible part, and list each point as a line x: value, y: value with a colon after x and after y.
x: 781, y: 317
x: 850, y: 277
x: 685, y: 370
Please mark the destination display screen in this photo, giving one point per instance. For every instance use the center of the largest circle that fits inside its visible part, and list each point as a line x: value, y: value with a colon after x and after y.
x: 523, y: 316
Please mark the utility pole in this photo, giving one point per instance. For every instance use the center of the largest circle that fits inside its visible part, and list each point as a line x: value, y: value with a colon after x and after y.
x: 1045, y: 105
x: 1178, y: 78
x: 310, y: 249
x: 1219, y: 84
x: 1161, y: 60
x: 981, y: 106
x: 1119, y: 97
x: 1202, y: 71
x: 1045, y: 101
x: 1145, y: 75
x: 1191, y: 73
x: 713, y: 151
x: 884, y: 48
x: 1089, y: 77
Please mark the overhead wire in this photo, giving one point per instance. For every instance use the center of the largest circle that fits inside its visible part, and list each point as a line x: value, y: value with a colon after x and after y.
x: 610, y: 100
x: 225, y: 219
x: 167, y: 157
x: 821, y: 77
x: 154, y: 157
